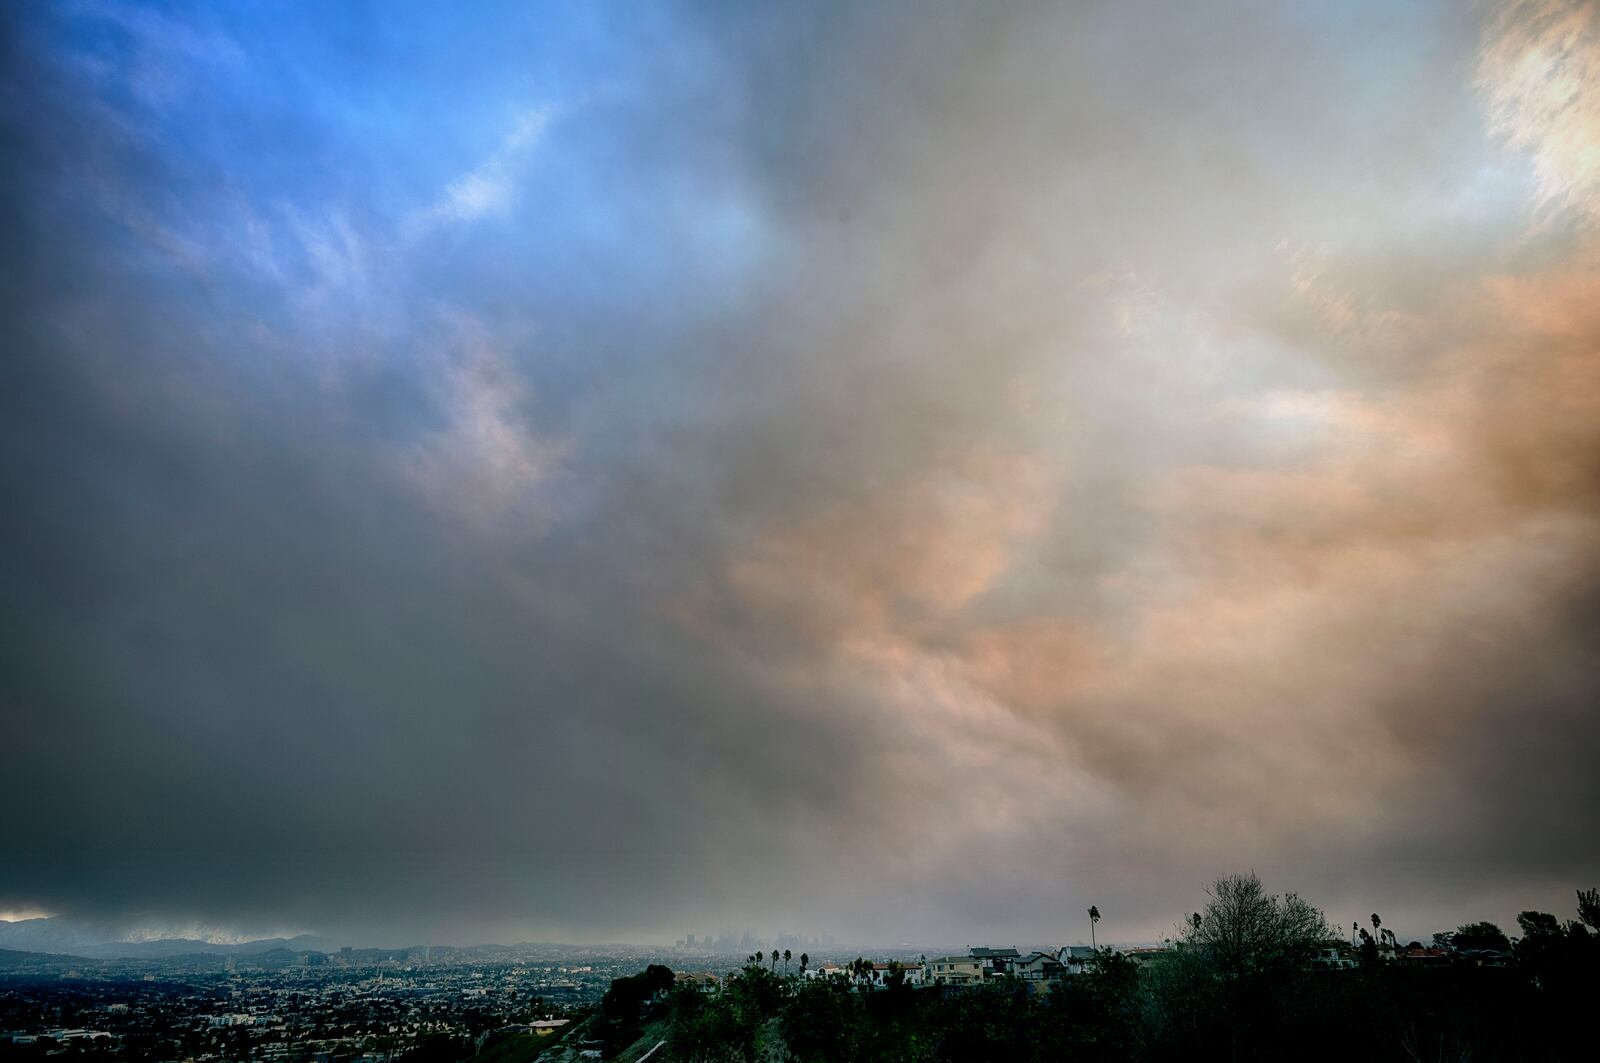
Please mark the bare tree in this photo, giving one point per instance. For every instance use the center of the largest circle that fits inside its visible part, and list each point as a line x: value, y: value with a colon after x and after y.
x: 1244, y: 929
x: 1245, y: 957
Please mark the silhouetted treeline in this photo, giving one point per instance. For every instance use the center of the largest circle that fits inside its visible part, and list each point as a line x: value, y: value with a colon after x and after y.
x: 1245, y: 981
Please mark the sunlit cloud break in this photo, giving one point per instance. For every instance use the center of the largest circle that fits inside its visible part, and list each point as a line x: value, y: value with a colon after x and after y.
x: 1540, y: 73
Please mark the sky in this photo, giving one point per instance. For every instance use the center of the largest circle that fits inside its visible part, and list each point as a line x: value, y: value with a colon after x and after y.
x: 906, y: 471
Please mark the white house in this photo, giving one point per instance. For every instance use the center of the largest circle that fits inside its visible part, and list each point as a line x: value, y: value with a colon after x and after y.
x: 881, y: 973
x: 1075, y: 958
x: 826, y: 970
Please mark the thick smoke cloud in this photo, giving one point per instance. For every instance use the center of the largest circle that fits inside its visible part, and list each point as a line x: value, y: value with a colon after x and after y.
x: 904, y: 471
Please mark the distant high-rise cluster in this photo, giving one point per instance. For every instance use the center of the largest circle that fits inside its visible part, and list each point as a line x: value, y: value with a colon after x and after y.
x: 727, y: 942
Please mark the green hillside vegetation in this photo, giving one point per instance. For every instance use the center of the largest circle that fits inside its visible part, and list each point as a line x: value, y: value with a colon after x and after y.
x: 518, y: 1048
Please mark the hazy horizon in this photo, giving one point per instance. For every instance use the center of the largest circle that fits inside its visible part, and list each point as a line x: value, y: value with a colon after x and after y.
x: 134, y: 934
x: 592, y: 471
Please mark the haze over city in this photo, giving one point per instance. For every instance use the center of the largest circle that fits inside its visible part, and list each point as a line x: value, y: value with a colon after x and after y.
x: 590, y: 472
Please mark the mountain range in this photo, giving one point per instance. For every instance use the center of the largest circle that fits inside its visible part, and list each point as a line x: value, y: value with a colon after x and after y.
x: 72, y: 937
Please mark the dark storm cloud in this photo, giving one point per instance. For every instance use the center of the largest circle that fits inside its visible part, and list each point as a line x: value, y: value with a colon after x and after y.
x: 710, y: 467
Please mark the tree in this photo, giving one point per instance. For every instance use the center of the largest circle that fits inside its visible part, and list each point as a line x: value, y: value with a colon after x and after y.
x: 1244, y: 929
x: 618, y: 1023
x: 1376, y: 923
x: 659, y: 978
x: 1589, y: 909
x: 786, y: 963
x: 1245, y: 965
x: 1369, y: 949
x: 1094, y: 917
x: 715, y: 1028
x: 1096, y: 1018
x: 1543, y: 946
x: 822, y: 1024
x: 1535, y: 925
x: 805, y: 961
x: 1480, y: 936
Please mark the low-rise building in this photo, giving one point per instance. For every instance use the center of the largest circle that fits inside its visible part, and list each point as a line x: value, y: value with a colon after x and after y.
x: 995, y: 961
x: 1148, y: 955
x: 702, y: 979
x: 1075, y: 959
x: 1038, y: 967
x: 1335, y: 955
x: 953, y: 970
x: 826, y: 970
x: 883, y: 974
x: 1420, y: 956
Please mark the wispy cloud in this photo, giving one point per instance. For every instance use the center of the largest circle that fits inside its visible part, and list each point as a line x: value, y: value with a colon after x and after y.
x: 488, y: 457
x: 167, y: 58
x: 490, y: 188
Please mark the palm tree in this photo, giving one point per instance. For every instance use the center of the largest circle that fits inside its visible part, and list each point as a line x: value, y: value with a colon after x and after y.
x: 805, y: 961
x: 774, y: 959
x: 759, y: 956
x: 1376, y: 922
x: 786, y: 963
x: 1094, y: 917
